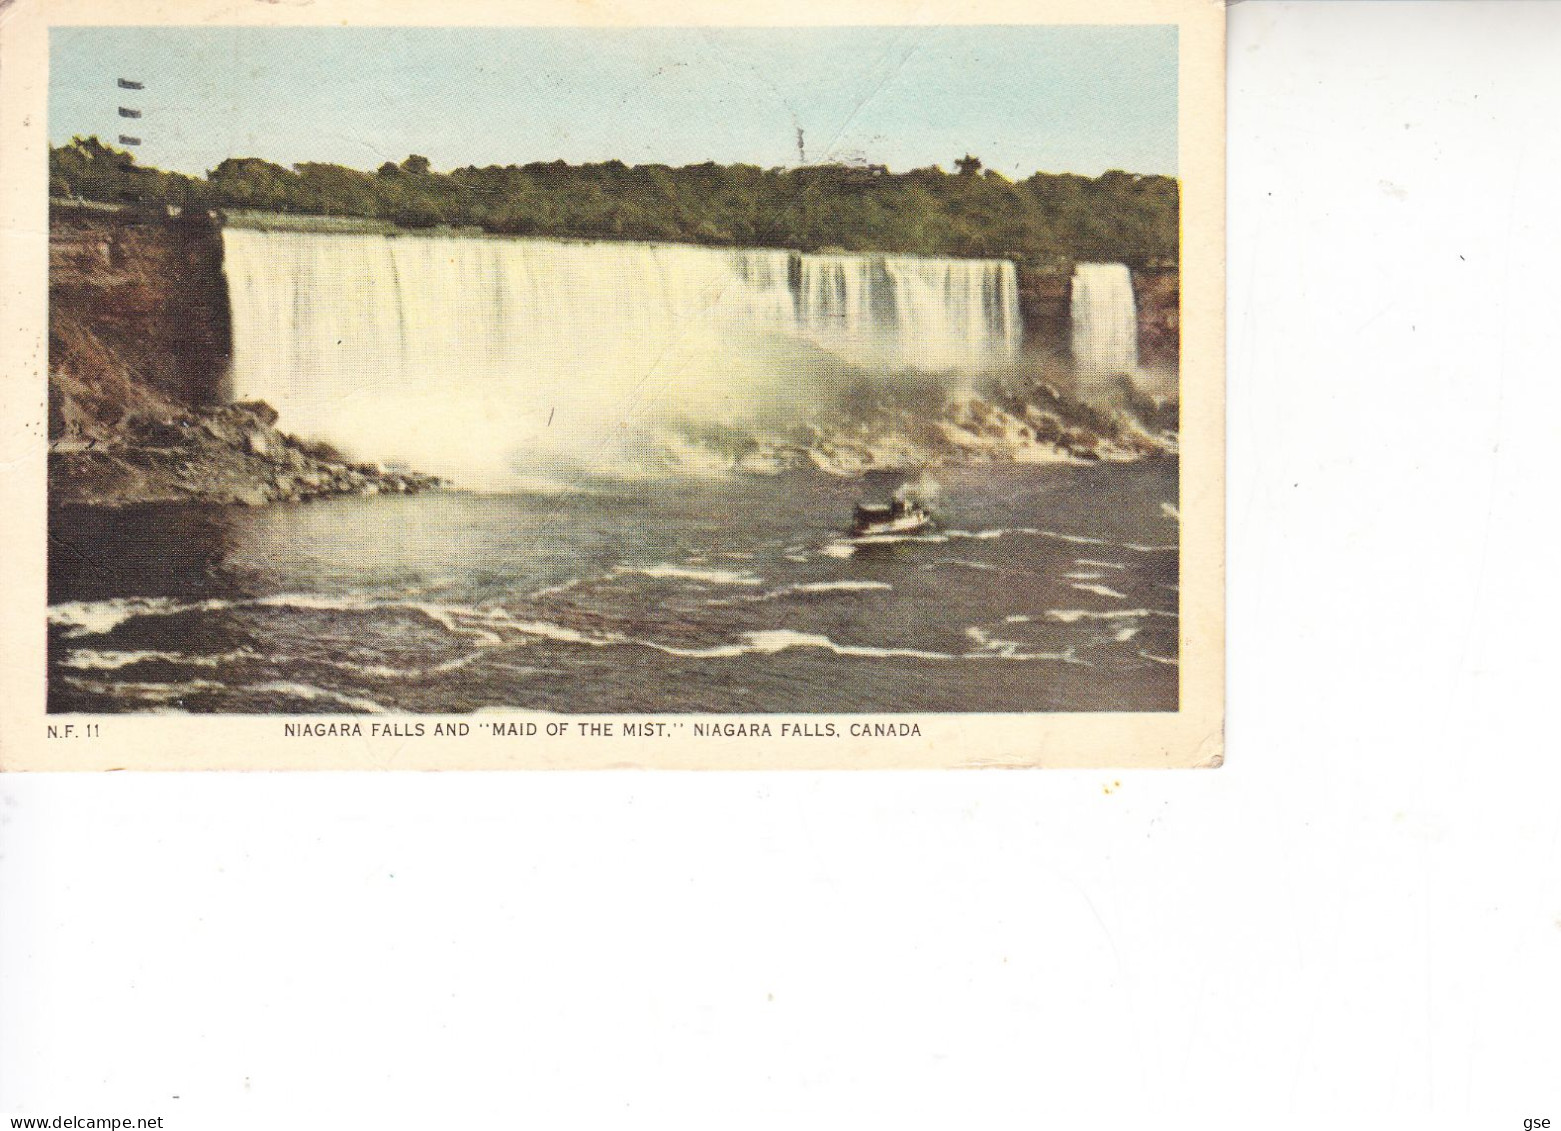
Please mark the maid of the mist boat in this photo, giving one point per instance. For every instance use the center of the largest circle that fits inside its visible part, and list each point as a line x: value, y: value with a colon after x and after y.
x: 902, y: 516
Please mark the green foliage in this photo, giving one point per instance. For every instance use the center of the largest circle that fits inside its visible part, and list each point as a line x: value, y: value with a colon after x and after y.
x: 88, y: 169
x: 1047, y: 220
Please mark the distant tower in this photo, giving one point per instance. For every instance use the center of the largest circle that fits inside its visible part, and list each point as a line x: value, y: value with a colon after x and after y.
x: 802, y: 154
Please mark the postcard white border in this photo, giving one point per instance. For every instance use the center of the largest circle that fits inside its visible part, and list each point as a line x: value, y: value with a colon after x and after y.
x: 1190, y: 736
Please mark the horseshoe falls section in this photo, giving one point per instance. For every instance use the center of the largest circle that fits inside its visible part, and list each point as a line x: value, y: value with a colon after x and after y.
x: 1105, y: 320
x: 502, y: 361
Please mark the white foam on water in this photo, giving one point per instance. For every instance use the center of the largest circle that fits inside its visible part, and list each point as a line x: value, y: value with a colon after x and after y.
x: 1076, y: 539
x: 455, y: 664
x: 1018, y: 618
x: 715, y: 652
x: 373, y: 671
x: 561, y: 634
x: 979, y: 535
x: 989, y: 647
x: 310, y: 693
x: 319, y: 602
x: 98, y: 618
x: 1170, y: 511
x: 1125, y: 633
x: 1098, y: 565
x: 500, y: 709
x: 895, y: 539
x: 1159, y: 659
x: 488, y: 626
x: 386, y: 671
x: 156, y: 692
x: 483, y: 624
x: 1000, y: 532
x: 1099, y: 590
x: 668, y: 571
x: 838, y: 550
x: 1083, y: 576
x: 1068, y: 616
x: 985, y: 642
x: 1143, y: 549
x: 94, y: 659
x: 772, y: 641
x: 451, y: 619
x: 807, y: 589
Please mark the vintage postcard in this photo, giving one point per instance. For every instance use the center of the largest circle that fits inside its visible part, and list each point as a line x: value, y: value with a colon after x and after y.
x: 654, y: 385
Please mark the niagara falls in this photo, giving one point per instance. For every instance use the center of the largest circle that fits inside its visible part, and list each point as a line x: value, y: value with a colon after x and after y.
x: 492, y: 360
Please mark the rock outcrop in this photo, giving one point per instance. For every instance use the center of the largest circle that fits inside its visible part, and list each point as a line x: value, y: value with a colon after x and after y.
x: 1033, y: 424
x: 230, y: 454
x: 1158, y: 293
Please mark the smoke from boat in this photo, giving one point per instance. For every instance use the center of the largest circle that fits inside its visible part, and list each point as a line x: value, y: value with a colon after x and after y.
x: 923, y: 490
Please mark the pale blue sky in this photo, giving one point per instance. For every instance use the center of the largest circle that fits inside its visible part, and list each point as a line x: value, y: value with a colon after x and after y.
x: 1079, y: 99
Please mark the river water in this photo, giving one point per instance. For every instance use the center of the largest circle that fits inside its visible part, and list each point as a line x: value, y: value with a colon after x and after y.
x: 1043, y: 588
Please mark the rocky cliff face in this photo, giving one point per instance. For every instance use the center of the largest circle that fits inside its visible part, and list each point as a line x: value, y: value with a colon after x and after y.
x: 1158, y: 292
x: 139, y: 348
x: 1045, y: 298
x: 146, y: 291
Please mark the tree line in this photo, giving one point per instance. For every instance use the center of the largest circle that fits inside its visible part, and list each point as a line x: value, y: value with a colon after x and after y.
x: 1049, y: 219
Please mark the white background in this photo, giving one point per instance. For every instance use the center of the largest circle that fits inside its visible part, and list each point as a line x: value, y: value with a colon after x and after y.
x: 1355, y: 923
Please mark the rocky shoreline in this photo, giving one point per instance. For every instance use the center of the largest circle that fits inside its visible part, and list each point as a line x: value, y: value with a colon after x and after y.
x: 1040, y: 426
x: 230, y: 455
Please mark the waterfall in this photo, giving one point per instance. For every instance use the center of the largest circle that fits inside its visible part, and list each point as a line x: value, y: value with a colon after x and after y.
x: 1105, y: 320
x: 487, y: 359
x: 902, y: 312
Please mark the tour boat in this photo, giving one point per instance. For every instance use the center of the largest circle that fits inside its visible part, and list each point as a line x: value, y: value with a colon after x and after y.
x: 902, y: 516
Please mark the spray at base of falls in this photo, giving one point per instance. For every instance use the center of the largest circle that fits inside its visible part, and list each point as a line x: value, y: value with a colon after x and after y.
x: 499, y: 361
x: 1105, y: 322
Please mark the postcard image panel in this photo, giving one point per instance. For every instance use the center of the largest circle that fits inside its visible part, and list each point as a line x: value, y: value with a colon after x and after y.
x: 670, y: 392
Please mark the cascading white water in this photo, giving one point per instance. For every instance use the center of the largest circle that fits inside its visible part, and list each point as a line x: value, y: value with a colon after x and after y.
x: 1105, y: 320
x: 487, y: 360
x: 909, y: 313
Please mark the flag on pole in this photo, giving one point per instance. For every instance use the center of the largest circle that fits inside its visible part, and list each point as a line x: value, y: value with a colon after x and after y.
x: 129, y: 84
x: 127, y: 113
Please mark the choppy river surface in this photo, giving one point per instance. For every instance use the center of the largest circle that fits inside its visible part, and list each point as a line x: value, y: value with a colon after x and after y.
x: 1043, y: 588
